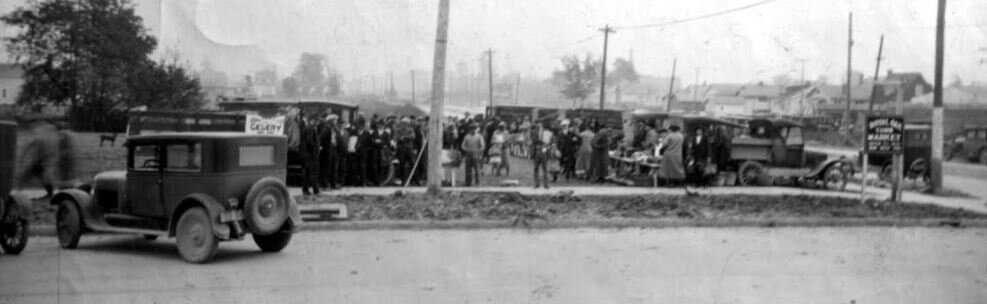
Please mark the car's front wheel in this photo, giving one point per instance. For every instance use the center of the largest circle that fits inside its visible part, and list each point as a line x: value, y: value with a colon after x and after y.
x: 272, y: 242
x: 13, y: 233
x: 69, y: 224
x: 196, y: 242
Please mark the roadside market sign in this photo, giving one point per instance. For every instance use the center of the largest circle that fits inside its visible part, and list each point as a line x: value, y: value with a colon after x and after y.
x: 267, y: 126
x: 885, y: 134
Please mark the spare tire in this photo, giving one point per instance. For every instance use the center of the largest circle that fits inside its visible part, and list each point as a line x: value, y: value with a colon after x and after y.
x: 266, y: 207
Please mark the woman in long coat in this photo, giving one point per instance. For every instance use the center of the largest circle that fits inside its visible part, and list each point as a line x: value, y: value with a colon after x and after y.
x: 672, y: 170
x: 600, y: 160
x: 585, y: 152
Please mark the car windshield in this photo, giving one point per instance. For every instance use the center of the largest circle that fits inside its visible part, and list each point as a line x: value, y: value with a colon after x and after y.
x: 145, y: 158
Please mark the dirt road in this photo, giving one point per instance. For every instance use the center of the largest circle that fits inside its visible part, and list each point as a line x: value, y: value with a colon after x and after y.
x: 857, y: 265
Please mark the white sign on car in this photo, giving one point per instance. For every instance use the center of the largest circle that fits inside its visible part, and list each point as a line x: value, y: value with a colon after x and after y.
x: 260, y: 125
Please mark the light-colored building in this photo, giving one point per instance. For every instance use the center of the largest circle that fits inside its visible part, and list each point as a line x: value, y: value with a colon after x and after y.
x: 11, y: 80
x: 956, y: 96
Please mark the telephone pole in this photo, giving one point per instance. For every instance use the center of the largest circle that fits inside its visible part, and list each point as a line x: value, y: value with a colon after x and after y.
x: 849, y: 81
x: 490, y: 102
x: 517, y: 88
x: 671, y: 83
x: 937, y: 102
x: 877, y: 69
x: 412, y: 86
x: 802, y: 90
x: 603, y: 76
x: 390, y: 92
x: 438, y: 98
x: 695, y: 87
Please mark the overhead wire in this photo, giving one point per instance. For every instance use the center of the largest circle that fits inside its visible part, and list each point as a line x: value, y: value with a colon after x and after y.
x: 700, y: 17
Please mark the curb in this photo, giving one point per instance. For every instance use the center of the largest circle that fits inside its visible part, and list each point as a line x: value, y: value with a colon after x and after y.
x: 49, y: 230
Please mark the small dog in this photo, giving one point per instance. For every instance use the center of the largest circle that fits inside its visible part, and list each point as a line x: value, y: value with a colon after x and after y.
x: 107, y: 137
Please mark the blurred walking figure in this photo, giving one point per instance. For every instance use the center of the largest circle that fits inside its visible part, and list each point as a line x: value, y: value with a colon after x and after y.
x: 542, y: 149
x: 473, y: 150
x: 49, y: 158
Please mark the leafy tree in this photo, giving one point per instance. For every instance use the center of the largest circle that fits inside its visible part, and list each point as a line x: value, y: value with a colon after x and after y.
x: 577, y: 78
x: 315, y: 78
x: 167, y: 84
x: 91, y: 54
x: 623, y: 72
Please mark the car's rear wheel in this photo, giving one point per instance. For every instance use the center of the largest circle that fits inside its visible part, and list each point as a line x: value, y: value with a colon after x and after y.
x: 272, y: 242
x: 69, y: 224
x: 266, y: 208
x: 13, y: 233
x: 749, y: 173
x: 196, y: 242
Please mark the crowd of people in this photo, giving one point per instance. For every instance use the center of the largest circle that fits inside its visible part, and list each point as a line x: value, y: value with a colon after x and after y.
x: 338, y: 153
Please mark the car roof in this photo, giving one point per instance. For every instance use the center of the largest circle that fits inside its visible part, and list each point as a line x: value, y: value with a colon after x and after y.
x: 710, y: 120
x: 778, y: 122
x: 199, y: 135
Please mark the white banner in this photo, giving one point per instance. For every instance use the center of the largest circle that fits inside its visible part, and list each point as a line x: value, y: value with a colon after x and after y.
x: 260, y: 125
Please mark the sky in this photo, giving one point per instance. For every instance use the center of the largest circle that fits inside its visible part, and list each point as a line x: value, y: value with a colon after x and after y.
x: 373, y: 37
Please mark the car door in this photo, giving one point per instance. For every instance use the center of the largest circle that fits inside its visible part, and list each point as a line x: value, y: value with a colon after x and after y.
x: 144, y: 181
x: 182, y: 173
x: 794, y: 147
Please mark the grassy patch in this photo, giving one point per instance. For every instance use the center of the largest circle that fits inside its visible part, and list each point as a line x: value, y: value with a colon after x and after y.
x: 514, y: 206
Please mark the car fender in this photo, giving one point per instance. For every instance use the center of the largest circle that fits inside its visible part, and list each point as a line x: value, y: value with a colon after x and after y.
x: 213, y: 208
x: 90, y: 212
x: 294, y: 216
x: 825, y: 165
x: 18, y: 205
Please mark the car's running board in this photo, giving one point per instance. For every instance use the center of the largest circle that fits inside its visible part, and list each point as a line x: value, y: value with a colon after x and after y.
x: 323, y: 212
x: 113, y: 229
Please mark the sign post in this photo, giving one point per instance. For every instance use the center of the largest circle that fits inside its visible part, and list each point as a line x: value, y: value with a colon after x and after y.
x: 884, y: 135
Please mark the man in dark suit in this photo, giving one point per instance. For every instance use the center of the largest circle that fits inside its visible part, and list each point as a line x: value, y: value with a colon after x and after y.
x: 698, y: 155
x: 308, y: 151
x: 364, y: 150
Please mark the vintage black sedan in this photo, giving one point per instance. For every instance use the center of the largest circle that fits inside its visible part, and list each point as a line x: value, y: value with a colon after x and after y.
x: 201, y: 188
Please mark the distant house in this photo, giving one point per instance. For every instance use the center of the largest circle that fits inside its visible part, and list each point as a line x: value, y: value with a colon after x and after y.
x: 913, y: 83
x: 760, y: 96
x: 11, y: 79
x: 798, y: 100
x: 956, y: 96
x: 832, y: 99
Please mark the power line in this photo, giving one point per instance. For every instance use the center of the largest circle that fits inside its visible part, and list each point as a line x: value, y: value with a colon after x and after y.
x: 700, y: 17
x: 577, y: 42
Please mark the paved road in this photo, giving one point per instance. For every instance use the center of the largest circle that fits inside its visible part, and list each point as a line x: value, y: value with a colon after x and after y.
x: 694, y: 265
